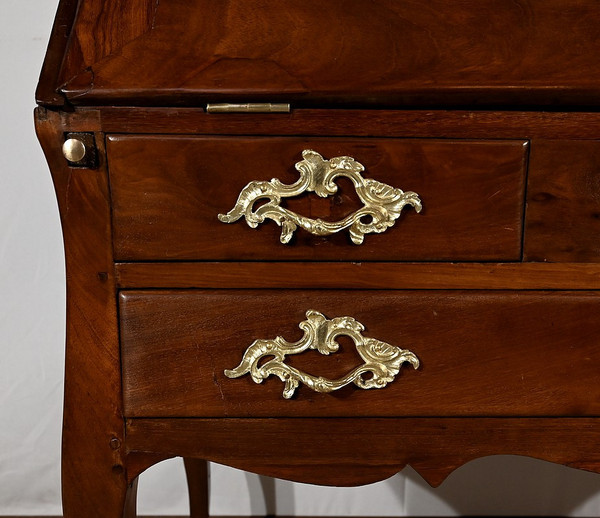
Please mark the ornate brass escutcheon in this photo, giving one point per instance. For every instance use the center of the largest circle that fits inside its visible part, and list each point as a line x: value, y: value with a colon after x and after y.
x: 382, y: 203
x: 382, y: 361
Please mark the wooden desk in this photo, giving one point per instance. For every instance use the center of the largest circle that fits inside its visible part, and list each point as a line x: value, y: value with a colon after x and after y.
x: 463, y: 138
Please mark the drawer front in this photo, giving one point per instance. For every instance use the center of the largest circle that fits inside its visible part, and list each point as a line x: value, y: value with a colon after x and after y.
x: 167, y: 193
x: 563, y: 202
x: 481, y: 353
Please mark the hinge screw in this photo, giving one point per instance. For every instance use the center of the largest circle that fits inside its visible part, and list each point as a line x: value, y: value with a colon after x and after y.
x: 73, y: 150
x: 80, y: 150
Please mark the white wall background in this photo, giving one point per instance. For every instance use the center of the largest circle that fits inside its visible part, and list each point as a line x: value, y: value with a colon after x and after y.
x: 32, y: 338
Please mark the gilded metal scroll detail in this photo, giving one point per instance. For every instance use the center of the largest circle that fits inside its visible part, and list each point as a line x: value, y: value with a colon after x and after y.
x: 382, y: 361
x: 382, y: 204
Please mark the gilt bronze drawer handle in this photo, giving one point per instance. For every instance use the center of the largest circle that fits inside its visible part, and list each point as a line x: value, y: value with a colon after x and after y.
x: 382, y: 204
x: 382, y: 361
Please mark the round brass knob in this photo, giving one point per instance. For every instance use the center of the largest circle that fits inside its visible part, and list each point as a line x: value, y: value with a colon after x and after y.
x: 73, y: 150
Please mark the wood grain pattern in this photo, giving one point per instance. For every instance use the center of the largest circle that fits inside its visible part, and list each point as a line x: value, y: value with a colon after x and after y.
x: 482, y: 353
x: 459, y: 124
x: 47, y: 89
x: 167, y: 193
x: 563, y: 202
x: 114, y: 24
x: 361, y: 451
x: 379, y: 53
x: 93, y: 462
x: 364, y: 275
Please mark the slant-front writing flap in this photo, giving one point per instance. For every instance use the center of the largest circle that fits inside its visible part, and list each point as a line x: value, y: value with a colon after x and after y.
x: 314, y: 52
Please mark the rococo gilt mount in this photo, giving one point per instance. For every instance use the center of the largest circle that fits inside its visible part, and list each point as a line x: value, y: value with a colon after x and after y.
x: 382, y: 361
x: 382, y: 204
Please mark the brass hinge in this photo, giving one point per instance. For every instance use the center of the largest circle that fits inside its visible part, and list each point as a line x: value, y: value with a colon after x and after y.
x: 248, y: 108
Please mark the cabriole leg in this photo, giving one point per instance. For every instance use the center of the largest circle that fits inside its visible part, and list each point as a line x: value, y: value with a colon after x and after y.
x: 198, y: 486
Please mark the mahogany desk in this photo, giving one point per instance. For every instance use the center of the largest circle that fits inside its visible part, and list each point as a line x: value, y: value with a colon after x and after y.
x: 427, y: 250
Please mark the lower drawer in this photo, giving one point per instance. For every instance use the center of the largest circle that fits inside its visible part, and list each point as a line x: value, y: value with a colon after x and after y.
x: 481, y: 353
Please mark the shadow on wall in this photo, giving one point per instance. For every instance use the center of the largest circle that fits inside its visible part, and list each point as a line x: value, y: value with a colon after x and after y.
x: 507, y: 485
x: 491, y: 486
x: 503, y: 485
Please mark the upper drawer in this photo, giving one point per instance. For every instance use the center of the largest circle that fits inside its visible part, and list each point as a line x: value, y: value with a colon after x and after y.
x: 167, y: 193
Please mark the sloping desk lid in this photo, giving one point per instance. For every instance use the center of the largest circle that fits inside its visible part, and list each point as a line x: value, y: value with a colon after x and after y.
x: 378, y: 53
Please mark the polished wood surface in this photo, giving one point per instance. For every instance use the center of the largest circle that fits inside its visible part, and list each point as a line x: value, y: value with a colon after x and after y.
x: 563, y: 202
x: 382, y: 53
x: 113, y: 23
x: 454, y: 124
x: 365, y: 275
x: 472, y: 195
x: 360, y: 451
x: 93, y: 462
x: 482, y: 353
